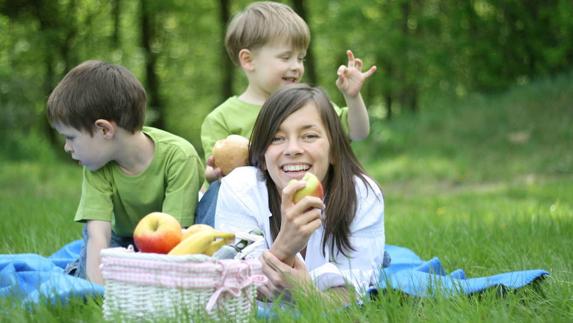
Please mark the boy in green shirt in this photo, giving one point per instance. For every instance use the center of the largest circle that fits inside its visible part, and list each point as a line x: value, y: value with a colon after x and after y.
x: 268, y: 40
x: 129, y: 170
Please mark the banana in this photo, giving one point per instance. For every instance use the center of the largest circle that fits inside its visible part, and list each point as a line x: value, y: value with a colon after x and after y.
x: 196, y: 243
x: 194, y: 229
x: 200, y: 242
x: 217, y: 244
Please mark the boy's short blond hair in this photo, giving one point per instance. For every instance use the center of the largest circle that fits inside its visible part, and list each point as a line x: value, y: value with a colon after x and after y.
x: 262, y: 23
x: 98, y: 90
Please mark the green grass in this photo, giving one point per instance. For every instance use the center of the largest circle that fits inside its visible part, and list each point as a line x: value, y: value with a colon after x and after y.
x: 485, y: 183
x: 38, y: 204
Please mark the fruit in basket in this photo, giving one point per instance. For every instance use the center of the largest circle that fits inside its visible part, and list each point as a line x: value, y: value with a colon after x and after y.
x: 194, y: 229
x: 313, y: 187
x: 217, y: 244
x: 157, y: 232
x: 230, y: 153
x: 201, y: 242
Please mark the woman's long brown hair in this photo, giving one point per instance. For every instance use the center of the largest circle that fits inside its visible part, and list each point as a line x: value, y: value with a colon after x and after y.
x: 340, y: 191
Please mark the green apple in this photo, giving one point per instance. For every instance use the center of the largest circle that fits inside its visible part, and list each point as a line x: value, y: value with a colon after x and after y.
x: 313, y: 188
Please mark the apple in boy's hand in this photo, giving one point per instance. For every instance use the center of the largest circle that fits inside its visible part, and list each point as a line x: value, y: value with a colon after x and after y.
x: 313, y: 187
x: 157, y: 232
x: 230, y: 153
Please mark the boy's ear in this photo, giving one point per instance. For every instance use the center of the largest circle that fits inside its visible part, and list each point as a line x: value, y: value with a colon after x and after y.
x: 246, y: 59
x: 107, y: 128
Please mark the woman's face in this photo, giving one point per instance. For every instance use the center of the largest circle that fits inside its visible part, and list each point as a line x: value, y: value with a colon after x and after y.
x: 300, y: 145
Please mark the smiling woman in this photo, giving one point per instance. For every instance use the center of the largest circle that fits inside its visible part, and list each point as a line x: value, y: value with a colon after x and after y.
x: 300, y: 145
x: 335, y: 243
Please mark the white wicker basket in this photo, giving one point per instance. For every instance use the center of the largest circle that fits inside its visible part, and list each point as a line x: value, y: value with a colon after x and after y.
x: 146, y: 286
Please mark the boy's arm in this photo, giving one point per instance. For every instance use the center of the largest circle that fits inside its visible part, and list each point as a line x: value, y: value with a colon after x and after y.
x: 99, y: 237
x: 211, y: 131
x: 349, y: 82
x: 358, y: 120
x: 184, y: 179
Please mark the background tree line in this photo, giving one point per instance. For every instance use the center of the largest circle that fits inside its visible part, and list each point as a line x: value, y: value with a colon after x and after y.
x: 424, y: 49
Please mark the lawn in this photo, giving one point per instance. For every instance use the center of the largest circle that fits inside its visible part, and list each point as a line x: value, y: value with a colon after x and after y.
x: 484, y: 182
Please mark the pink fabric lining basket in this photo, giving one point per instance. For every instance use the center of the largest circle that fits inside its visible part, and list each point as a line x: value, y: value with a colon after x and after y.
x: 147, y: 286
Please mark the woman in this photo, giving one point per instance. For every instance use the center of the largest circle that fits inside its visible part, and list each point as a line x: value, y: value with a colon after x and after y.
x: 336, y: 242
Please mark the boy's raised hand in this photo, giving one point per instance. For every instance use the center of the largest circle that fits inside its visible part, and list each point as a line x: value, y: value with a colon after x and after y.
x: 351, y: 78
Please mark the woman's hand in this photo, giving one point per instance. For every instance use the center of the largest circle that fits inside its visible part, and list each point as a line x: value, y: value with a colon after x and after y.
x: 282, y: 277
x: 298, y: 222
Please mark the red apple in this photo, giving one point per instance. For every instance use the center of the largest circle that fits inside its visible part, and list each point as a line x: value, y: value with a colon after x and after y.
x: 157, y: 232
x: 313, y: 187
x: 230, y: 153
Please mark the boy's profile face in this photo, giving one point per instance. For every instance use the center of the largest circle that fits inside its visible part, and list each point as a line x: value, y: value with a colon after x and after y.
x: 88, y: 150
x: 275, y: 65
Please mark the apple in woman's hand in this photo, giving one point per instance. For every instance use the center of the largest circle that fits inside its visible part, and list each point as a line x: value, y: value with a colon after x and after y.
x: 313, y: 187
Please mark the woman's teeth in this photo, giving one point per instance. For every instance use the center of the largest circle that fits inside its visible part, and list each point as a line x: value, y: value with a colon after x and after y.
x: 295, y: 168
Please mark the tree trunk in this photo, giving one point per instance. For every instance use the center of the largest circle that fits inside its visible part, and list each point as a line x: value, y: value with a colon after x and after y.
x: 227, y: 66
x: 409, y: 92
x: 413, y: 98
x: 151, y: 78
x: 47, y: 17
x: 388, y: 100
x: 49, y: 76
x: 116, y: 21
x: 388, y: 85
x: 70, y: 33
x: 310, y: 67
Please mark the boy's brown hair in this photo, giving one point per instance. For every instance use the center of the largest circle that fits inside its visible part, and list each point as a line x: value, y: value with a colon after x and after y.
x: 262, y: 23
x: 98, y: 90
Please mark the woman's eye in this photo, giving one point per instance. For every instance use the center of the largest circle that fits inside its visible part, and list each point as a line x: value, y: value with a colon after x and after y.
x: 310, y: 136
x: 277, y: 140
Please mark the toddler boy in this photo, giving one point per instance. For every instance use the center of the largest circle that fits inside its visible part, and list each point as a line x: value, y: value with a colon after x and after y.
x: 268, y: 40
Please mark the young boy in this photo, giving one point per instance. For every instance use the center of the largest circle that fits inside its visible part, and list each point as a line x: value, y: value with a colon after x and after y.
x: 268, y: 40
x: 129, y: 170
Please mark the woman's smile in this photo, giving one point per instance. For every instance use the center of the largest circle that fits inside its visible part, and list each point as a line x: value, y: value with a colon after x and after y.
x: 300, y: 145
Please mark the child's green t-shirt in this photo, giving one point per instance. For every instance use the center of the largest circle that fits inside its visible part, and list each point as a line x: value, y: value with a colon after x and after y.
x: 170, y: 184
x: 237, y: 117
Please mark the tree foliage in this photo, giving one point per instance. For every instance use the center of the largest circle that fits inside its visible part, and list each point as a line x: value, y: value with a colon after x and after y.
x: 176, y: 48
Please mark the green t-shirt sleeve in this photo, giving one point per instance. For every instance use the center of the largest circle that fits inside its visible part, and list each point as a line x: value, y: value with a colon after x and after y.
x: 212, y: 130
x: 184, y: 178
x: 343, y: 115
x: 96, y: 199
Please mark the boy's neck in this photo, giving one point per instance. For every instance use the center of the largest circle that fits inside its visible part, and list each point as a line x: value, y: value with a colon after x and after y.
x: 253, y: 96
x: 135, y: 152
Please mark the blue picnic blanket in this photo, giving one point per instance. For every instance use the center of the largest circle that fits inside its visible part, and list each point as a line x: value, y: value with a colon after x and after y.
x: 412, y: 275
x: 31, y: 277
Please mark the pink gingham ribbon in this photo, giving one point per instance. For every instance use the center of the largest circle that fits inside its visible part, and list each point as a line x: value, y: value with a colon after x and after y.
x: 234, y: 284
